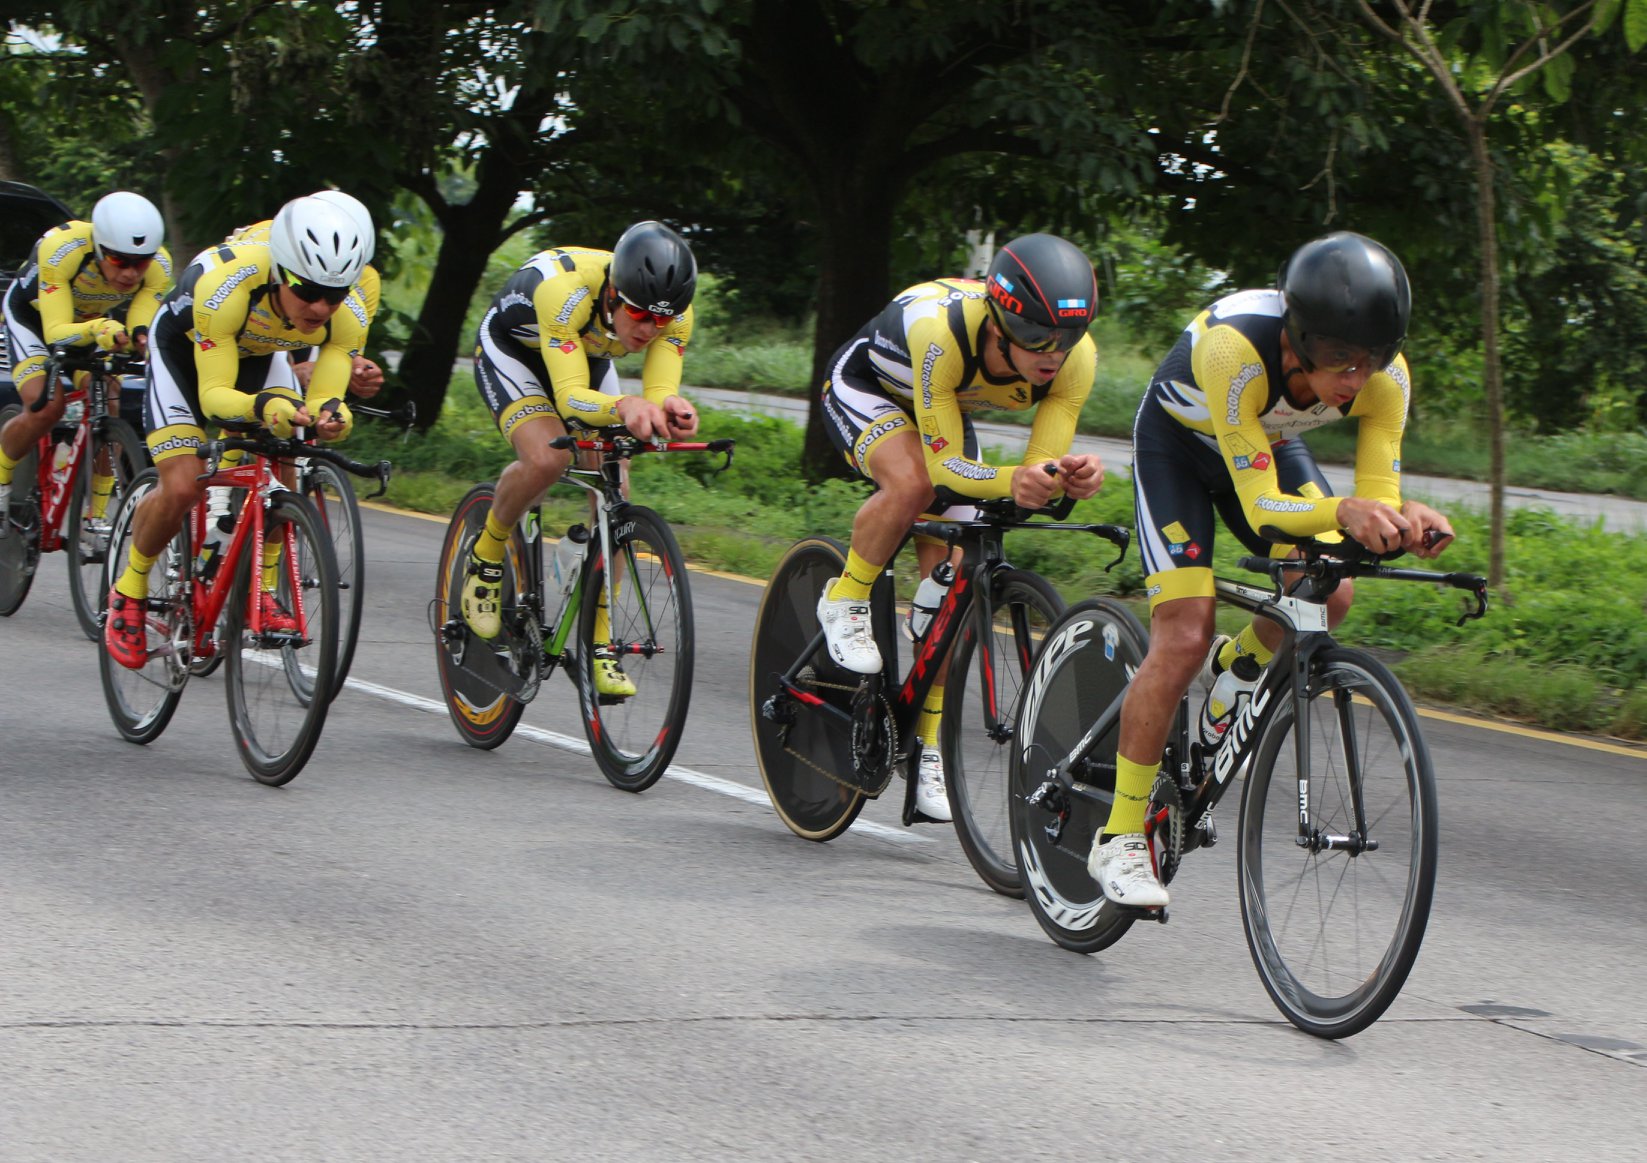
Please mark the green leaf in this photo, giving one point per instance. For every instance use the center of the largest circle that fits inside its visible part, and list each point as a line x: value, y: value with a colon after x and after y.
x: 1558, y: 78
x: 1635, y: 24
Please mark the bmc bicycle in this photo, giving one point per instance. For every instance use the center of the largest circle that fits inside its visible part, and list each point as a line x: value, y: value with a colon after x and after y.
x: 621, y: 594
x: 1337, y: 835
x: 828, y: 740
x: 274, y: 672
x: 52, y: 501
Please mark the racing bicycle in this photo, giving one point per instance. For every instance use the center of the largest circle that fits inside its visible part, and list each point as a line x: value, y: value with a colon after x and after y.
x: 828, y: 740
x: 1337, y: 835
x: 52, y: 502
x: 621, y: 595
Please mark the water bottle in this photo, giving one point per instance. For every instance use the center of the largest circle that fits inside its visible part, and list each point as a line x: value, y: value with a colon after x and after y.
x: 1224, y: 701
x: 929, y: 595
x: 219, y: 526
x: 567, y: 559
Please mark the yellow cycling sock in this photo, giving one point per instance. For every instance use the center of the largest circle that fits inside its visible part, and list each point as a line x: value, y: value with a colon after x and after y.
x: 1245, y: 642
x: 490, y: 544
x: 134, y: 582
x: 7, y: 464
x: 603, y: 619
x: 102, y: 488
x: 1133, y: 782
x: 857, y: 578
x: 932, y: 713
x: 271, y: 565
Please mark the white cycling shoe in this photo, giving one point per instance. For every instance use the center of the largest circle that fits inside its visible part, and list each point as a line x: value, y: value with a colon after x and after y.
x: 931, y: 796
x: 847, y: 632
x: 1122, y: 869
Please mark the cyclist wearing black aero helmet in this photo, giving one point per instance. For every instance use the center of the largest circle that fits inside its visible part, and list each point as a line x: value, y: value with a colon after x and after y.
x: 1218, y: 431
x: 898, y: 403
x: 546, y: 355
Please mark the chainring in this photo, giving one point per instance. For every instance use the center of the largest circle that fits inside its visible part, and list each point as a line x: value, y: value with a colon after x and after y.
x: 1166, y: 837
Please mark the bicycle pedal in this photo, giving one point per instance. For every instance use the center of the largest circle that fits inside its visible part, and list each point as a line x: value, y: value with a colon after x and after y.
x: 1207, y: 828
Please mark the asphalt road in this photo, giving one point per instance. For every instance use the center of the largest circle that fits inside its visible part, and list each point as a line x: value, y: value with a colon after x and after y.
x: 421, y: 951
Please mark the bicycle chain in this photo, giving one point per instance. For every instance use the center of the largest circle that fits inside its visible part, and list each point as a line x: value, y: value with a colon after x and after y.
x: 892, y: 730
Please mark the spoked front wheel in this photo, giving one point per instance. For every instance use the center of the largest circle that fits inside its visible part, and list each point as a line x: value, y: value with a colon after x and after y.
x: 277, y: 717
x: 19, y: 527
x: 642, y: 644
x: 1334, y: 924
x: 1081, y: 672
x: 141, y: 702
x: 330, y: 491
x: 91, y: 512
x: 474, y: 672
x: 980, y: 720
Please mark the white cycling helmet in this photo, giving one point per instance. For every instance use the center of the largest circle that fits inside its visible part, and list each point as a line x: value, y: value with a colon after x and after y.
x: 362, y: 217
x: 316, y: 241
x: 127, y: 223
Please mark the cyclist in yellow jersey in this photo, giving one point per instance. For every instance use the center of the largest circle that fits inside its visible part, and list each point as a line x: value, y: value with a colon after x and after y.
x: 1217, y: 430
x: 217, y: 355
x: 366, y: 377
x: 83, y: 274
x: 545, y: 356
x: 898, y: 402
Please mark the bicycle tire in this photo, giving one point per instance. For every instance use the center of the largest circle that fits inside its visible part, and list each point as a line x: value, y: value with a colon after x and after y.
x: 1330, y: 973
x: 652, y: 635
x: 976, y: 759
x: 277, y: 722
x: 141, y: 702
x: 87, y: 548
x: 330, y: 491
x: 1087, y: 659
x: 20, y: 547
x: 469, y: 666
x: 795, y: 757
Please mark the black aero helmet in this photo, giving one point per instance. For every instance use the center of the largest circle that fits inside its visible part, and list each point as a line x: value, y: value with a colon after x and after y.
x: 1042, y: 292
x: 653, y: 269
x: 1345, y: 295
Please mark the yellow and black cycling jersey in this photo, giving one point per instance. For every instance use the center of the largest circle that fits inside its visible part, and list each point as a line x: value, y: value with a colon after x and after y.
x: 224, y: 308
x: 370, y: 283
x: 1223, y: 380
x: 551, y: 306
x: 925, y: 351
x: 66, y: 286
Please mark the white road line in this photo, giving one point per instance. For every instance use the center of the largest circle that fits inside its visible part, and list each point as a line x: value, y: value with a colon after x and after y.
x: 698, y: 779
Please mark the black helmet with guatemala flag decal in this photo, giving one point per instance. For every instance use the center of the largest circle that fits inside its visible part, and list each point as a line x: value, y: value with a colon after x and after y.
x: 1043, y: 292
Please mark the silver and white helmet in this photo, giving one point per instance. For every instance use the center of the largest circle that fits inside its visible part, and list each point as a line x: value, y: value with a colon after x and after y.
x: 127, y: 223
x: 361, y: 216
x: 317, y: 241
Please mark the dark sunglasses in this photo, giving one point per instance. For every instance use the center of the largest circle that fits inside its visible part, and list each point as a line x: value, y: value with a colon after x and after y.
x: 641, y: 316
x: 134, y: 262
x: 1036, y: 337
x: 1336, y: 359
x: 316, y: 292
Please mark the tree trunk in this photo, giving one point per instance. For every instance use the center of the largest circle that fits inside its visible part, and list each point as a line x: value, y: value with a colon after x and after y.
x: 855, y: 254
x: 1491, y: 373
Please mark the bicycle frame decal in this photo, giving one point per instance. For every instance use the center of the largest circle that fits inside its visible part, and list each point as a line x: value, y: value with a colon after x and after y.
x: 937, y: 635
x: 1225, y: 761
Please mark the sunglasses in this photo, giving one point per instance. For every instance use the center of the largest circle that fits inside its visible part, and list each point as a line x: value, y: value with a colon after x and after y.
x: 133, y: 262
x: 311, y: 292
x: 640, y: 316
x: 1339, y: 359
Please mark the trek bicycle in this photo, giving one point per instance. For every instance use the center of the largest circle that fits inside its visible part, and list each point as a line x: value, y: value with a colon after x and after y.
x: 617, y: 593
x: 1337, y: 836
x: 52, y: 500
x: 277, y: 675
x: 828, y: 740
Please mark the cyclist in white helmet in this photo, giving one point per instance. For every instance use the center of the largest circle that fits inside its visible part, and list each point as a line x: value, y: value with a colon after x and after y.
x: 82, y: 276
x: 218, y: 353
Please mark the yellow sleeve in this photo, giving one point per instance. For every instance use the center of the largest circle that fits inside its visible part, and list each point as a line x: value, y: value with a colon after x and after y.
x: 157, y: 280
x: 661, y: 373
x: 1059, y: 411
x: 562, y: 312
x: 222, y: 300
x: 60, y: 253
x: 371, y: 292
x: 938, y: 368
x: 1381, y: 408
x: 1236, y: 385
x: 345, y: 339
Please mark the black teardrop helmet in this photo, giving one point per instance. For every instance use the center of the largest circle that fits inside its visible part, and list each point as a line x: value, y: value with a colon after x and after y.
x: 1042, y: 292
x: 653, y: 269
x: 1345, y: 291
